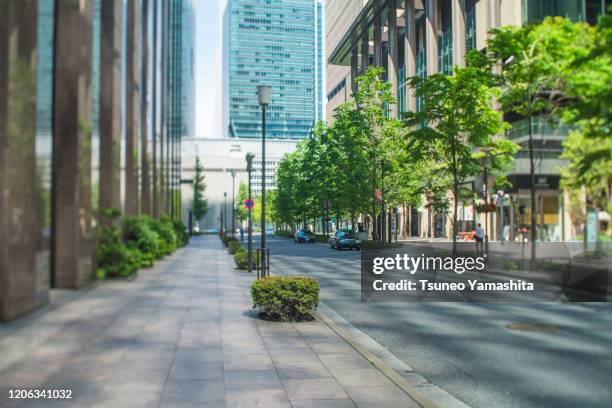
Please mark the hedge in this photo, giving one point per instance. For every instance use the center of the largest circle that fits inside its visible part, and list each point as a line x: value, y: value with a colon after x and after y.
x: 134, y: 243
x: 241, y: 257
x: 283, y: 233
x: 232, y: 247
x: 286, y: 298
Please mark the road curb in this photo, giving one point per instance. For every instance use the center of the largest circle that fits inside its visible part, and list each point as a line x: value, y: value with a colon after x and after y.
x: 397, y: 379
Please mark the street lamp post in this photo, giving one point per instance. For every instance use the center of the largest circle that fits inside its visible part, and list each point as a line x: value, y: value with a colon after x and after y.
x: 382, y: 203
x: 225, y: 213
x: 233, y: 172
x: 249, y: 160
x: 264, y: 93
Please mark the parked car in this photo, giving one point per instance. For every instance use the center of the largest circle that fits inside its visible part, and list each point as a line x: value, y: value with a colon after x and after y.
x: 303, y: 235
x: 344, y: 238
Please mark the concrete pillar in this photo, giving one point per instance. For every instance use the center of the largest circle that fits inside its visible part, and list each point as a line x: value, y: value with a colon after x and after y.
x: 495, y: 13
x: 458, y: 21
x: 410, y: 52
x: 431, y: 36
x: 145, y: 148
x: 354, y: 70
x: 132, y: 109
x: 72, y: 231
x: 365, y: 52
x: 392, y: 63
x: 164, y: 169
x: 377, y: 43
x: 110, y: 105
x: 19, y: 177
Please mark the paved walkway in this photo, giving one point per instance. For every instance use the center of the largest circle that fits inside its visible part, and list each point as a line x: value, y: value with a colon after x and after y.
x: 183, y: 335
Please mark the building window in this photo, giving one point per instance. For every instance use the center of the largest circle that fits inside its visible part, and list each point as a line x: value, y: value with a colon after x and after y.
x: 401, y: 90
x: 537, y: 10
x: 421, y: 63
x: 470, y: 25
x: 445, y: 39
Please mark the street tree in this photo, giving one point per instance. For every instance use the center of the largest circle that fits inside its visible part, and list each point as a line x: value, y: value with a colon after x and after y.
x: 588, y: 148
x: 200, y: 204
x: 460, y: 117
x: 535, y: 60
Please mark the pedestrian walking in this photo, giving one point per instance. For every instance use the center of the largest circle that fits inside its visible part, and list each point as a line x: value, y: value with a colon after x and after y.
x: 480, y: 235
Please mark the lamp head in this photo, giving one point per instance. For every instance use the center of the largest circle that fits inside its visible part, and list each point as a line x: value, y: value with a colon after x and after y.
x: 249, y: 160
x: 264, y: 94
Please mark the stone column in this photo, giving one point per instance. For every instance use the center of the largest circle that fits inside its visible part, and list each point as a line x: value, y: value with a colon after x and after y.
x: 145, y: 178
x: 72, y: 228
x: 354, y: 70
x: 392, y: 62
x: 365, y: 52
x: 410, y: 51
x: 166, y: 58
x: 132, y: 109
x: 110, y: 105
x: 154, y: 129
x: 377, y: 43
x: 459, y: 46
x: 19, y: 221
x: 431, y: 36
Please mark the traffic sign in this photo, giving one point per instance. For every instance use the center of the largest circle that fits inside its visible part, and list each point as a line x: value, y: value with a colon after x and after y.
x: 249, y: 204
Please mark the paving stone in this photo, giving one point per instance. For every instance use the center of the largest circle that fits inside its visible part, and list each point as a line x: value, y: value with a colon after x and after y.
x: 251, y: 379
x: 356, y: 377
x: 319, y: 388
x: 194, y: 391
x: 353, y: 360
x: 260, y: 398
x: 339, y: 403
x: 381, y: 396
x: 195, y: 370
x: 297, y: 370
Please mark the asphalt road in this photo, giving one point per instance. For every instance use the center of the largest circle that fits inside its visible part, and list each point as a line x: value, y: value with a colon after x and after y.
x: 465, y: 348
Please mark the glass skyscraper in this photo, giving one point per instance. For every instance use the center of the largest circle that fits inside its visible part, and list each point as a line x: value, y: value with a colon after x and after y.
x: 272, y: 43
x: 320, y: 62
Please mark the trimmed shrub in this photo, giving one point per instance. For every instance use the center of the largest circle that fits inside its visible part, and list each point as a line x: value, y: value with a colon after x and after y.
x: 226, y: 240
x: 138, y: 234
x: 233, y: 246
x: 165, y: 230
x: 283, y: 233
x: 113, y: 258
x: 286, y: 298
x: 181, y: 233
x: 241, y: 257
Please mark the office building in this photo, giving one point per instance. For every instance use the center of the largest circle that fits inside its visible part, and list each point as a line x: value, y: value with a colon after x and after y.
x: 272, y: 44
x: 320, y: 60
x: 422, y: 37
x: 218, y: 158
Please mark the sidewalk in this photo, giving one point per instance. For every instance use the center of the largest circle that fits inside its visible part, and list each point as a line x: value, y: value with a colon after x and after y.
x: 183, y: 335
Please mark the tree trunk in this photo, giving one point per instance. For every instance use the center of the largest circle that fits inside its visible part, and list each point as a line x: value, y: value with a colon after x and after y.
x: 532, y: 191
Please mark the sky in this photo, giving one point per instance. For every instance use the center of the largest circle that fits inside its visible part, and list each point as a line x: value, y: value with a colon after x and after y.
x: 208, y: 67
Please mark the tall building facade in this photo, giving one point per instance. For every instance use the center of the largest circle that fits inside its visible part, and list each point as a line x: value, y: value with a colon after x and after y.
x: 320, y: 60
x: 423, y: 37
x: 91, y: 118
x: 271, y: 43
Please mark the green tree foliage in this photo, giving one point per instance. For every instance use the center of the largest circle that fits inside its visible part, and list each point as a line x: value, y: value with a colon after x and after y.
x: 336, y: 171
x: 461, y: 117
x: 200, y: 204
x: 536, y: 61
x: 588, y: 147
x: 243, y: 194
